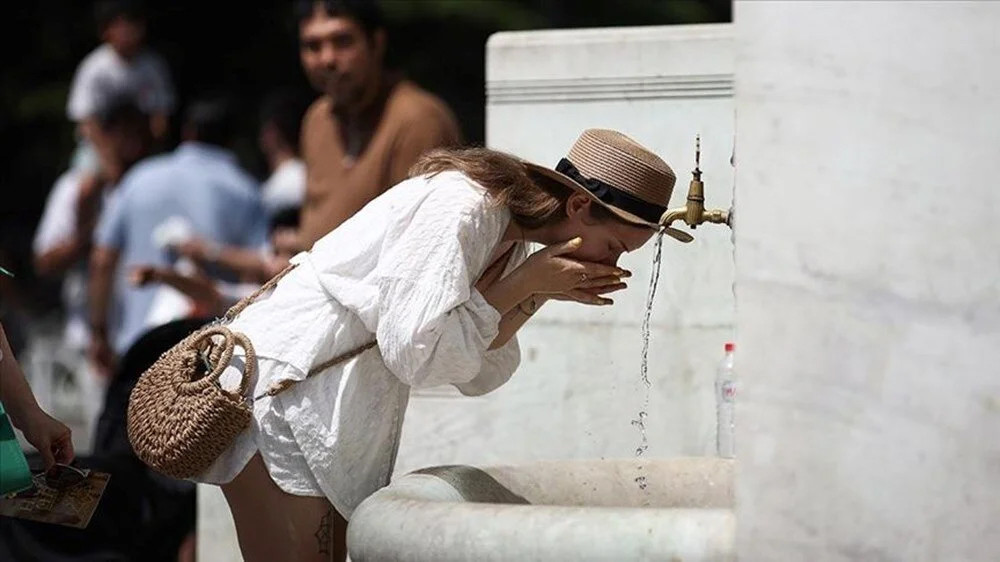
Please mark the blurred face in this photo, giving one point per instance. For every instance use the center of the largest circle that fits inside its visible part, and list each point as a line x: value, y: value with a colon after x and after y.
x: 604, y: 240
x: 340, y: 60
x: 267, y: 139
x: 125, y: 35
x: 122, y: 145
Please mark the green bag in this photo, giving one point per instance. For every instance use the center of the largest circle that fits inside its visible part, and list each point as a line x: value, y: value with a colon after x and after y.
x: 14, y: 473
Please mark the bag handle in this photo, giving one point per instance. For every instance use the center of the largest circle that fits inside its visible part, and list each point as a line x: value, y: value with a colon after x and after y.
x: 220, y: 354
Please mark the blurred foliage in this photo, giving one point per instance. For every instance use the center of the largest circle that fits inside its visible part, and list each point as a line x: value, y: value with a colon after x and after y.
x: 248, y: 49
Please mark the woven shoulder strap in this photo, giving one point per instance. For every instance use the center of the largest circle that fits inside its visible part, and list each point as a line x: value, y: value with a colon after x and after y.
x: 281, y: 386
x: 246, y: 301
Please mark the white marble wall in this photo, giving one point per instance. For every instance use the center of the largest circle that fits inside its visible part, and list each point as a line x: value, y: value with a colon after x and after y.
x: 578, y: 387
x: 868, y: 280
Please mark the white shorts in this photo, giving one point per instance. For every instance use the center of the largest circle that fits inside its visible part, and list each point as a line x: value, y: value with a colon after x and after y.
x: 269, y: 434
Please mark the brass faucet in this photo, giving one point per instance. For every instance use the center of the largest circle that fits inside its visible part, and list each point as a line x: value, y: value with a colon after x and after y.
x: 694, y: 213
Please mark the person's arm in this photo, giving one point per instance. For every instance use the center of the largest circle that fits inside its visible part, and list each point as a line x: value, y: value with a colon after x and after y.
x: 310, y: 228
x: 51, y: 437
x: 510, y: 323
x: 61, y: 257
x: 429, y: 132
x: 503, y: 355
x: 200, y: 289
x: 109, y: 239
x: 516, y: 318
x: 545, y: 275
x: 434, y: 327
x: 248, y: 264
x: 512, y: 320
x: 103, y: 261
x: 549, y: 272
x: 163, y: 96
x: 57, y: 248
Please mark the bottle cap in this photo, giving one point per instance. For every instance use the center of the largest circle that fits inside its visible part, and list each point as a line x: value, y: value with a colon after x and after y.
x: 730, y: 346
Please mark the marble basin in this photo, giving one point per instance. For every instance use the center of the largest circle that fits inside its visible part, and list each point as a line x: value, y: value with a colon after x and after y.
x: 678, y: 509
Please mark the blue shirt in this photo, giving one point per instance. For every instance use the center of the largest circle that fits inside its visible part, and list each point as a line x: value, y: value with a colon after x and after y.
x: 198, y: 184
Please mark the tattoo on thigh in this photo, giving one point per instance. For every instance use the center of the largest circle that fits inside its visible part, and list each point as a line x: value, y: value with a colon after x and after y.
x: 323, y: 533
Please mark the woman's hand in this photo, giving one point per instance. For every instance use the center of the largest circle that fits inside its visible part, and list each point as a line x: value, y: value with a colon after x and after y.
x: 592, y: 296
x: 550, y: 273
x: 50, y: 436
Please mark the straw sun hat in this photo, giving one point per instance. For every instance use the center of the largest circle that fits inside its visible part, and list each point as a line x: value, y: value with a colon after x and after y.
x: 619, y: 174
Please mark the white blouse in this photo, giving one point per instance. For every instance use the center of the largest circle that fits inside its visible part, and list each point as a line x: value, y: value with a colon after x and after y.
x: 401, y: 271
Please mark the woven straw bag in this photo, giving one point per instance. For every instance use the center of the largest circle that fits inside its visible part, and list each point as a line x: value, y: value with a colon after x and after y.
x: 179, y: 417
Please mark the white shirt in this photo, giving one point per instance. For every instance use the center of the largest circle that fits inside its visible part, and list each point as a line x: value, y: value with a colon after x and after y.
x: 401, y: 271
x: 104, y: 74
x: 286, y: 187
x: 58, y: 222
x: 57, y: 226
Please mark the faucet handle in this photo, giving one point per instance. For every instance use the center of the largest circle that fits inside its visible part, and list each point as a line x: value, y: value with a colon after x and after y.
x: 679, y: 235
x: 668, y: 218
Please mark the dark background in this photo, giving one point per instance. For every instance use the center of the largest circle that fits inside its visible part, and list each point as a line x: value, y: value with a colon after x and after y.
x: 248, y: 49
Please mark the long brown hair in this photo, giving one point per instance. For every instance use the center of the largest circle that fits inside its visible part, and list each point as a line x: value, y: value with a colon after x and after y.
x: 533, y: 201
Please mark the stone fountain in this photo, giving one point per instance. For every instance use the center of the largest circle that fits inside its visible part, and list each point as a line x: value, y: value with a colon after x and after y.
x: 552, y: 511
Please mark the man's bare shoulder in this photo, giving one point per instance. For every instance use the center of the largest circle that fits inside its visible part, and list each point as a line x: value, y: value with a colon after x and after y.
x: 318, y: 110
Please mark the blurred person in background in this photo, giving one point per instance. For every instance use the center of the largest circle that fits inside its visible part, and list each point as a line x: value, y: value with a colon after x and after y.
x: 369, y: 126
x: 278, y: 139
x: 141, y: 515
x: 282, y: 194
x: 49, y: 436
x: 212, y: 296
x: 63, y: 239
x: 12, y: 312
x: 198, y: 190
x: 121, y: 64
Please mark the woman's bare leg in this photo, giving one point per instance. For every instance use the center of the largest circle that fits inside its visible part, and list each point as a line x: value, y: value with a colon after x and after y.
x: 274, y: 525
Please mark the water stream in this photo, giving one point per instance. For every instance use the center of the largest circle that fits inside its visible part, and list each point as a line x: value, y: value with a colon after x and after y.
x: 640, y: 421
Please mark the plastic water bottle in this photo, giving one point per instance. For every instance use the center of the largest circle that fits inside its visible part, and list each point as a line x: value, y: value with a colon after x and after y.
x: 725, y: 396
